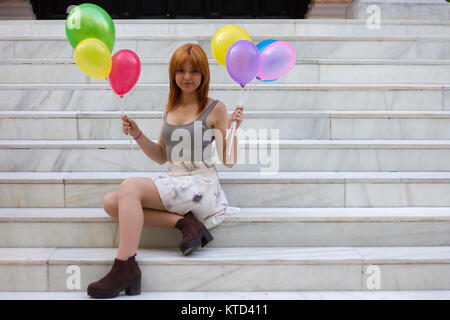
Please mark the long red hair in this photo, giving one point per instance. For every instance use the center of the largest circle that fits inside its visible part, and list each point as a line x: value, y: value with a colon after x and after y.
x: 196, y: 56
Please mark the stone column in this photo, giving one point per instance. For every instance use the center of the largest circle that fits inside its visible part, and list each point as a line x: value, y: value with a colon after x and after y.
x: 16, y: 10
x: 401, y: 9
x: 327, y: 9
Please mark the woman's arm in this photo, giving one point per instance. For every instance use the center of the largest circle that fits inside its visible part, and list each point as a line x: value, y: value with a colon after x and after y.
x: 222, y: 124
x: 155, y: 151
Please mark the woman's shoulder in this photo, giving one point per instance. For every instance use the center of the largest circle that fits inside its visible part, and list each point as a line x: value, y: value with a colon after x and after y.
x: 218, y: 112
x: 218, y: 108
x: 218, y: 102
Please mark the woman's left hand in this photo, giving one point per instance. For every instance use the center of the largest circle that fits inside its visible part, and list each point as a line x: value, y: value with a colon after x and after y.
x: 237, y: 115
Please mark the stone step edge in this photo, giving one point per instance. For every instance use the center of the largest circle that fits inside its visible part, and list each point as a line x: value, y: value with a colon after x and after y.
x: 233, y: 256
x: 219, y: 86
x: 350, y: 61
x: 248, y: 214
x: 248, y: 144
x: 253, y: 114
x: 323, y: 21
x: 240, y: 295
x: 255, y: 38
x: 243, y: 177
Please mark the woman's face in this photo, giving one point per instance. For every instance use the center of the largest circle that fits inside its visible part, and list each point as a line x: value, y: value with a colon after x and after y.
x: 188, y: 78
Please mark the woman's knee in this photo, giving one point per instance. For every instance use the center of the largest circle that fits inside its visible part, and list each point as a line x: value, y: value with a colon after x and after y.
x: 111, y: 204
x: 129, y: 188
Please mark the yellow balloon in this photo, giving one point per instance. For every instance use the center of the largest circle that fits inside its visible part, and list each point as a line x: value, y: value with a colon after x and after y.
x: 93, y: 57
x: 224, y: 38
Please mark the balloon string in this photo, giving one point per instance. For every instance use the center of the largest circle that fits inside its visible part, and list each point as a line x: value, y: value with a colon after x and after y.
x: 233, y: 127
x: 241, y: 96
x: 246, y: 91
x: 119, y: 103
x: 244, y: 94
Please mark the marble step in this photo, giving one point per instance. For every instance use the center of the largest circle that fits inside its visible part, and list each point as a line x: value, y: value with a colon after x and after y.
x: 235, y: 269
x: 255, y: 27
x: 333, y: 125
x: 321, y: 46
x: 311, y: 97
x: 240, y: 295
x: 154, y: 71
x: 252, y: 227
x: 242, y: 189
x: 256, y: 155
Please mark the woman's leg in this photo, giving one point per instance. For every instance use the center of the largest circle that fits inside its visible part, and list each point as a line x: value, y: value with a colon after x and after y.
x: 152, y: 217
x: 133, y: 195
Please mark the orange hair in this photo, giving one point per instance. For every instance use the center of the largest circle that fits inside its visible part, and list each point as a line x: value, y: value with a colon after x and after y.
x: 197, y: 58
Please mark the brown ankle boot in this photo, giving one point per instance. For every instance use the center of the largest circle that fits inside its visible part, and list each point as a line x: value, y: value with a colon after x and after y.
x: 194, y: 233
x: 124, y: 275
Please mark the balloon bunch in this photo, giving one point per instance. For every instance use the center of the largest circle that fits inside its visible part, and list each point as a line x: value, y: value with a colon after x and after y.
x: 233, y: 48
x: 91, y: 32
x: 268, y: 61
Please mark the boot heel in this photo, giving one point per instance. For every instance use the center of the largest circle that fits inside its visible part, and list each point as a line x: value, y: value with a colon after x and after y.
x: 206, y: 236
x: 134, y: 288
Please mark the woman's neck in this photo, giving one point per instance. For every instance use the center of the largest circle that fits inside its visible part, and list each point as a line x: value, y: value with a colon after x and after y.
x: 187, y: 99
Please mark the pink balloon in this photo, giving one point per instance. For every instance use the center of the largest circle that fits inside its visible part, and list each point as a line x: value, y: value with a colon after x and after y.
x: 125, y: 71
x: 277, y: 59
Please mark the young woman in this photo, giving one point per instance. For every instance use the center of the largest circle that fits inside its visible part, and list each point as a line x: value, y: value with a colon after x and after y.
x: 189, y: 196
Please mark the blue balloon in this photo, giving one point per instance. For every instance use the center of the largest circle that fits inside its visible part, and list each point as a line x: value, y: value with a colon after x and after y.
x: 261, y: 46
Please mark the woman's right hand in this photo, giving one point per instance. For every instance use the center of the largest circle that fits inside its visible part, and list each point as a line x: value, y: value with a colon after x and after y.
x: 129, y: 126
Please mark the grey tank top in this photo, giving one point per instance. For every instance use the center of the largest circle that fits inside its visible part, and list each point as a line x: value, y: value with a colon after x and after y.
x: 190, y: 142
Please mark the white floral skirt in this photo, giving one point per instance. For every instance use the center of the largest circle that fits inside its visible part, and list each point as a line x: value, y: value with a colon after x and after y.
x: 194, y: 186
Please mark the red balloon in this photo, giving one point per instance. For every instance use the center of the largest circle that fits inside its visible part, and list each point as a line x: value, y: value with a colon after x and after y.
x: 125, y: 71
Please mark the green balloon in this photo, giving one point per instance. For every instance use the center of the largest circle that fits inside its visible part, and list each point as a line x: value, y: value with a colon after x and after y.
x: 90, y: 21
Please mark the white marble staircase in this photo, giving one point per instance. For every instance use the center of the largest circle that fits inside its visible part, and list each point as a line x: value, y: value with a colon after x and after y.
x: 362, y: 191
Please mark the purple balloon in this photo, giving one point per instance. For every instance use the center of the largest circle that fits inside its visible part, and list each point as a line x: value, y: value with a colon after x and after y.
x: 277, y: 59
x: 242, y: 61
